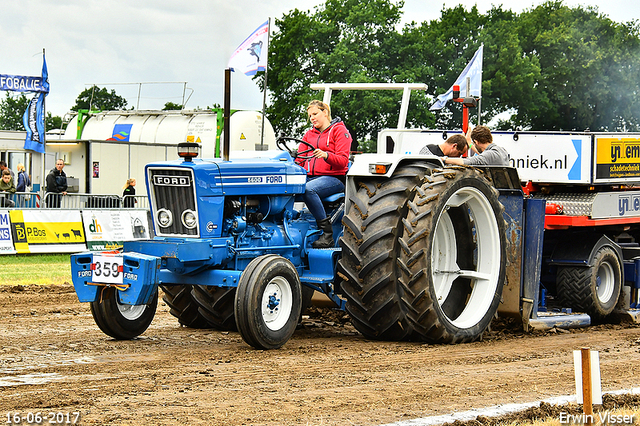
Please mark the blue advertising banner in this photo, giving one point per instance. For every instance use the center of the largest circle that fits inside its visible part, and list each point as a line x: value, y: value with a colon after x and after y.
x: 6, y: 241
x: 33, y: 118
x: 19, y: 83
x: 33, y: 121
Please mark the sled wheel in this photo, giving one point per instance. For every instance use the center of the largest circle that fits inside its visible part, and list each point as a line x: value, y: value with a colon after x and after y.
x: 215, y: 304
x: 121, y: 321
x: 268, y: 302
x: 182, y: 306
x: 594, y: 290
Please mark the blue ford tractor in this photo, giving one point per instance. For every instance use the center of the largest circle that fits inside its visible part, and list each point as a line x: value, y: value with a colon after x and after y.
x: 425, y: 251
x: 422, y: 255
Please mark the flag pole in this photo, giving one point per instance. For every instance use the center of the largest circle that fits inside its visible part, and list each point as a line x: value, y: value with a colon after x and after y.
x: 264, y: 89
x: 226, y: 115
x: 43, y: 156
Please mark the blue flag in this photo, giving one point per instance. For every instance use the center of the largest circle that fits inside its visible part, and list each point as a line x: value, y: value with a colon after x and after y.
x: 473, y: 70
x: 33, y: 118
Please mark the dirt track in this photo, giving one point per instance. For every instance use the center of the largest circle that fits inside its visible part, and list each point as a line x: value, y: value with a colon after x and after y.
x: 53, y: 358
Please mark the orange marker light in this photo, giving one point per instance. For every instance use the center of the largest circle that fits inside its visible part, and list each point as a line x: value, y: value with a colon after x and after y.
x: 379, y: 169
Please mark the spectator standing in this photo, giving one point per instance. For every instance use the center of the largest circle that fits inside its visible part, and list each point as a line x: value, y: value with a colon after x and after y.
x: 128, y: 195
x: 23, y: 179
x: 56, y: 184
x: 7, y: 187
x: 3, y: 167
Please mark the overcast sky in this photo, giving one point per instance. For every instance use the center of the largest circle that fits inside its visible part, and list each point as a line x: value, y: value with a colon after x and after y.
x: 114, y: 43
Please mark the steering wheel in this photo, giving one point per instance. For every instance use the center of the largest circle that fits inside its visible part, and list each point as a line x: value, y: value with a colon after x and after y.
x: 304, y: 154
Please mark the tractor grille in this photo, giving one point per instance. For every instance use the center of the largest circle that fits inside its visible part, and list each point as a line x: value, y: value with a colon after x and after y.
x: 173, y: 190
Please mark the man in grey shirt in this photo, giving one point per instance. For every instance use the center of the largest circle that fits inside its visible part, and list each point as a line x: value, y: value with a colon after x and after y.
x: 489, y: 154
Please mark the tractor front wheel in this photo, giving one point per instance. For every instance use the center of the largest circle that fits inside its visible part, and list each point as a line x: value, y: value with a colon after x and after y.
x: 268, y: 302
x: 119, y: 320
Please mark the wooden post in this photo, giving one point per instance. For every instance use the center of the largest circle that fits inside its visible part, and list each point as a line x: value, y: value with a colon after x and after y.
x: 587, y: 402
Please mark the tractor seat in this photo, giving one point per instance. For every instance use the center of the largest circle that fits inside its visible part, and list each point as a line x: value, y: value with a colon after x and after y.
x: 333, y: 197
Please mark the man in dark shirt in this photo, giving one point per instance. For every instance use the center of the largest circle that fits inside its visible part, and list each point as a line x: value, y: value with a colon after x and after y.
x: 56, y: 184
x: 454, y: 146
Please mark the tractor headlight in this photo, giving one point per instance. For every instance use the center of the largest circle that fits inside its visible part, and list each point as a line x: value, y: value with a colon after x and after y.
x: 189, y: 219
x: 165, y: 218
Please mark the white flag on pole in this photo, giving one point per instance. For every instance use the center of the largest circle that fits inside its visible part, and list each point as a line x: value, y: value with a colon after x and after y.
x: 251, y: 56
x: 473, y: 70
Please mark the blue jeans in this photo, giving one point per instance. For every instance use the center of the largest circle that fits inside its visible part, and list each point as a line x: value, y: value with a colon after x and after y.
x: 319, y: 187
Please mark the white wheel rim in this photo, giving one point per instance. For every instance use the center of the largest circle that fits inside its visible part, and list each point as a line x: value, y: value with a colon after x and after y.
x: 277, y: 303
x: 605, y: 282
x: 130, y: 312
x: 444, y: 262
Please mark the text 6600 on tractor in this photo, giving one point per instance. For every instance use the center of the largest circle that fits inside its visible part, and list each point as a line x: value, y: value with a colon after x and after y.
x: 426, y: 252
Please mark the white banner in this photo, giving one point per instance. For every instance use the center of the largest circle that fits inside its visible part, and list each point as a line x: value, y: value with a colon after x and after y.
x: 554, y: 158
x: 107, y: 230
x: 539, y: 157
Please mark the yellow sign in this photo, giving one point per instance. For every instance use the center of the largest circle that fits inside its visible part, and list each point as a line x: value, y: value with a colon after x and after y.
x: 617, y: 158
x: 42, y: 229
x: 242, y: 136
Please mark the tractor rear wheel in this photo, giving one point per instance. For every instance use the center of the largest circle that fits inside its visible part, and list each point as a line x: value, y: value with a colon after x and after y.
x: 182, y: 306
x: 432, y: 269
x: 119, y: 320
x: 370, y: 245
x: 215, y: 304
x: 453, y: 255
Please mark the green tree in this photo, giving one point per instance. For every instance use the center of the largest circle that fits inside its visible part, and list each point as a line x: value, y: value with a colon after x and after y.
x: 549, y: 68
x: 99, y: 99
x: 53, y: 122
x: 12, y: 110
x: 436, y: 52
x: 589, y: 69
x: 171, y: 106
x: 341, y: 41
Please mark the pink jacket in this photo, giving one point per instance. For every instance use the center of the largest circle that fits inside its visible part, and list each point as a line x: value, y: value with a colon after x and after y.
x: 336, y: 141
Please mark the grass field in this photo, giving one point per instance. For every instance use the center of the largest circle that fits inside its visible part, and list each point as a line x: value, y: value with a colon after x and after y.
x: 43, y: 269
